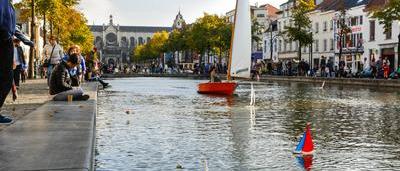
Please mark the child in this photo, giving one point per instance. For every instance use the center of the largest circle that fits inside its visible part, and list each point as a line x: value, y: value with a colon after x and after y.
x: 386, y: 70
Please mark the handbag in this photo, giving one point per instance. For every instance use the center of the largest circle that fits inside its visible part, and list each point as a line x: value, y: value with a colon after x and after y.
x: 47, y: 61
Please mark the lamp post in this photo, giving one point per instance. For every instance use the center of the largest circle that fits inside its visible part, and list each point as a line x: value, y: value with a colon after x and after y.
x: 398, y: 48
x: 311, y: 52
x: 32, y: 49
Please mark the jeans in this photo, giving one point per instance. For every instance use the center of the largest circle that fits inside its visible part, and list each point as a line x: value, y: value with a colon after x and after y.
x: 63, y: 96
x: 6, y: 71
x: 49, y: 70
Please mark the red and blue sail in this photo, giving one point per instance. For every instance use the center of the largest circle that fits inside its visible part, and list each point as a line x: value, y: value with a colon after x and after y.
x: 306, y: 145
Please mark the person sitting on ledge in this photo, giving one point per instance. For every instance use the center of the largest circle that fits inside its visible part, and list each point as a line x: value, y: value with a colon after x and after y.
x: 96, y: 77
x: 60, y: 81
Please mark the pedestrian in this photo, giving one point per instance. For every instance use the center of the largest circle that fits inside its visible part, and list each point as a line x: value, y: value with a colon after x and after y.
x: 373, y: 67
x: 386, y: 69
x: 322, y: 66
x: 52, y: 53
x: 19, y: 62
x: 77, y: 72
x: 60, y: 81
x: 379, y: 67
x: 8, y: 29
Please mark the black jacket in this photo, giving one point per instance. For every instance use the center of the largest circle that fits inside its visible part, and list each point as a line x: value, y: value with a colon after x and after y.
x: 60, y: 79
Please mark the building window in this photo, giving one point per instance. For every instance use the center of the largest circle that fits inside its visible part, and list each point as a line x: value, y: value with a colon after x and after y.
x: 316, y: 27
x: 325, y: 45
x: 316, y: 45
x: 361, y: 20
x: 388, y: 32
x: 325, y: 26
x: 280, y: 26
x: 332, y: 22
x: 372, y: 30
x: 275, y: 44
x: 332, y: 44
x: 260, y: 15
x: 304, y: 49
x: 140, y: 41
x: 284, y: 46
x: 280, y: 45
x: 265, y: 46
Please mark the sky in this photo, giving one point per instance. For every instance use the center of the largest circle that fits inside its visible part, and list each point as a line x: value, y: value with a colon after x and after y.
x: 156, y: 12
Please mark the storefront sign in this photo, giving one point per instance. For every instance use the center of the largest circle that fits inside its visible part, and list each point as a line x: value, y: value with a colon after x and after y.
x: 356, y: 29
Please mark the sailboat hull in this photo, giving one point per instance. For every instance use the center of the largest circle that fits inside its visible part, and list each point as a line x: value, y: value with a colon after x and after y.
x: 220, y: 88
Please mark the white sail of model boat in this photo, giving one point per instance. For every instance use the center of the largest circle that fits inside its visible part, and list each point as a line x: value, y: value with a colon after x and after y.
x: 240, y: 61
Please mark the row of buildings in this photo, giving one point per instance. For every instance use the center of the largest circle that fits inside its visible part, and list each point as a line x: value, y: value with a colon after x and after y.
x: 367, y: 40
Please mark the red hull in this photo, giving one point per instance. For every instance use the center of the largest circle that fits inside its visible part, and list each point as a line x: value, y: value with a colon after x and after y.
x: 222, y: 88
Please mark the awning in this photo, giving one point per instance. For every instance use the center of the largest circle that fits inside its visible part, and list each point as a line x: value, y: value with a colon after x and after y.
x: 256, y: 55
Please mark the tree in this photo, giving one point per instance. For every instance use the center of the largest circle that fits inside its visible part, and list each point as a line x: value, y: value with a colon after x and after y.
x: 256, y: 30
x: 203, y: 35
x: 387, y: 14
x: 152, y: 49
x: 300, y: 30
x: 70, y: 24
x: 344, y: 29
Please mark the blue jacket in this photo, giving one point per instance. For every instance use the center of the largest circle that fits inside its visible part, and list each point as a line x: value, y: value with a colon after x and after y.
x: 8, y: 23
x: 7, y: 19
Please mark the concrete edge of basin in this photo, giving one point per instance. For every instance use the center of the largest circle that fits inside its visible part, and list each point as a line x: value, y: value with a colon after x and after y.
x: 55, y: 136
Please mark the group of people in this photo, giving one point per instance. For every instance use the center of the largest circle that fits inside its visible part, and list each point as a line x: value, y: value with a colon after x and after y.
x: 64, y: 72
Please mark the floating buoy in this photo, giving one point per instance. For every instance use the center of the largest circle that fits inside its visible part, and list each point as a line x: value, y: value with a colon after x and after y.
x: 179, y: 166
x: 306, y: 144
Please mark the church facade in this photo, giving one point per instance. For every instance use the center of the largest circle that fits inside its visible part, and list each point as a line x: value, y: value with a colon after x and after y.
x: 116, y: 43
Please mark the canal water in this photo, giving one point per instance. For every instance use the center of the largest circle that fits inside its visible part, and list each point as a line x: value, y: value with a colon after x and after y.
x: 160, y: 123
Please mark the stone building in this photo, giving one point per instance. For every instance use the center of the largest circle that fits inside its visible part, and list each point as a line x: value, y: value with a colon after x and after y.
x: 116, y: 43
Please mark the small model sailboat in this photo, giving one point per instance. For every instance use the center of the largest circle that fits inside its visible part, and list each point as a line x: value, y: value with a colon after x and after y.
x: 306, y: 144
x: 240, y: 53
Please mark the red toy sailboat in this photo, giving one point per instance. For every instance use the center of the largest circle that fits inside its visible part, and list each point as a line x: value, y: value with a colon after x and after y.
x: 306, y: 144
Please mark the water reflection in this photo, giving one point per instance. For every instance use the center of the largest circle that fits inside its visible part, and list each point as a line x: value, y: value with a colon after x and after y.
x: 353, y: 128
x: 305, y: 162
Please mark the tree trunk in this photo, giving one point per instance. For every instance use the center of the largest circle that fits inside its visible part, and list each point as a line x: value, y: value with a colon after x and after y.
x: 44, y: 30
x: 51, y: 28
x: 340, y: 49
x: 31, y: 67
x: 299, y: 51
x: 220, y: 56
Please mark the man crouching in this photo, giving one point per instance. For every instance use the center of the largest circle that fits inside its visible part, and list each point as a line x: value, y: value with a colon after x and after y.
x: 60, y: 81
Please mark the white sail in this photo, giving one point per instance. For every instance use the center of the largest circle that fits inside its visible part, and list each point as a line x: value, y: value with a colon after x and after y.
x: 241, y: 46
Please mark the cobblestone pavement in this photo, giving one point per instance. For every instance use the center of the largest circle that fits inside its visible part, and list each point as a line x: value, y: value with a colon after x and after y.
x: 31, y: 95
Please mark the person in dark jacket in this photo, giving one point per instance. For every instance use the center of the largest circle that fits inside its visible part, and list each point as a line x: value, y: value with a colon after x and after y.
x: 60, y: 81
x: 8, y: 29
x: 19, y: 60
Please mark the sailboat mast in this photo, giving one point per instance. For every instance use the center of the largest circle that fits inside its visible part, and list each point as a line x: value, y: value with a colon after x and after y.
x: 232, y: 38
